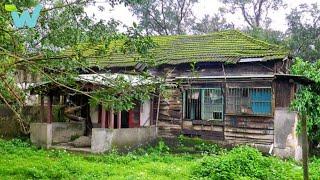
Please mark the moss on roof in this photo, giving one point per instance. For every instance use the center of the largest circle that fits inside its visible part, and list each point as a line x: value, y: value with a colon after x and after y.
x: 224, y: 46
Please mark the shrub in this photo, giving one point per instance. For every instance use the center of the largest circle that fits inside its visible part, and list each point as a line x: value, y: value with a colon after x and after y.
x: 161, y: 148
x: 244, y: 163
x: 315, y: 169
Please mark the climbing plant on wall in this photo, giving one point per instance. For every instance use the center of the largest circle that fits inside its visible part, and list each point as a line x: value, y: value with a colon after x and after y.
x: 308, y: 98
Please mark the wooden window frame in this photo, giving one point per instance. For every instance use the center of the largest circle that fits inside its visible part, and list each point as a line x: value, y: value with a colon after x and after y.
x: 201, y: 104
x: 236, y: 102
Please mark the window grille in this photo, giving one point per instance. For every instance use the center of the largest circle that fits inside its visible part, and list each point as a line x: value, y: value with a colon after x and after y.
x: 255, y: 101
x: 203, y: 104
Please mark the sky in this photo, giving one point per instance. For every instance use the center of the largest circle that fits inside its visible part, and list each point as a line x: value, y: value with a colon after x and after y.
x: 210, y: 7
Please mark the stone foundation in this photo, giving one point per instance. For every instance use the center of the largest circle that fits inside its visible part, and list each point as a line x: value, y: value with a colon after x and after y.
x: 105, y: 139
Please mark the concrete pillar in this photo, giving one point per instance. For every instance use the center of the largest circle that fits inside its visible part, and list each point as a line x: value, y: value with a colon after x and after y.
x: 103, y: 118
x: 42, y: 109
x: 49, y: 118
x: 41, y: 134
x: 111, y: 119
x: 286, y: 140
x: 131, y: 119
x: 119, y: 120
x: 98, y: 140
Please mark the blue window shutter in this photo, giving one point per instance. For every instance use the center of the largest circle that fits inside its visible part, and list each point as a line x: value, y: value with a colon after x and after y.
x: 261, y: 101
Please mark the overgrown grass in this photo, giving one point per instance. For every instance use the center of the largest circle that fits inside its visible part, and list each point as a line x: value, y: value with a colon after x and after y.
x: 19, y: 160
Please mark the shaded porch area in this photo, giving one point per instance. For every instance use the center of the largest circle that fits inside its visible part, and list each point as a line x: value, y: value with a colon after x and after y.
x: 80, y: 124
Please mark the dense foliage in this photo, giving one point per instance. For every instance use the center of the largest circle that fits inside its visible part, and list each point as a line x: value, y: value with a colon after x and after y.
x: 245, y: 163
x: 308, y: 98
x: 165, y: 17
x: 19, y: 160
x: 304, y: 31
x: 57, y: 50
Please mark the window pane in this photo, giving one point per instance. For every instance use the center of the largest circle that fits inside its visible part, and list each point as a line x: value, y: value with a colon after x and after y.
x: 192, y: 104
x: 256, y: 101
x: 212, y: 104
x: 203, y: 104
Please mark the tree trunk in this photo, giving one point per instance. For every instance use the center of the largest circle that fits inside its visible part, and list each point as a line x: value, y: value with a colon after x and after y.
x: 304, y: 147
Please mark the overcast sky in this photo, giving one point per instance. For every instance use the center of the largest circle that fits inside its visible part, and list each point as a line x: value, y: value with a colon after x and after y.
x: 210, y: 7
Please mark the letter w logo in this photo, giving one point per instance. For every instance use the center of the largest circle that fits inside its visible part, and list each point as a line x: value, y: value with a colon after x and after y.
x: 25, y: 18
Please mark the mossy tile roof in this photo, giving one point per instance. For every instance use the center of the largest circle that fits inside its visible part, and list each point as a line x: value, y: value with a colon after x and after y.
x: 224, y: 46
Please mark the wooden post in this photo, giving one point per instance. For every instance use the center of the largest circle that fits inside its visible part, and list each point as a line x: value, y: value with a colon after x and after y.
x: 49, y: 119
x: 182, y: 111
x: 119, y: 120
x: 158, y: 109
x: 42, y: 109
x: 111, y: 119
x: 305, y: 147
x: 103, y: 118
x: 131, y: 119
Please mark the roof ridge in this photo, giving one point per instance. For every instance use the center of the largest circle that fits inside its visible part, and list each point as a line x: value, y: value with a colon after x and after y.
x: 195, y: 35
x: 229, y: 31
x: 258, y: 40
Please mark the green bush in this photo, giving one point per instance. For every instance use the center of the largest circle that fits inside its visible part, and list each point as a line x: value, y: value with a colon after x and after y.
x: 160, y: 148
x: 315, y: 169
x: 244, y: 163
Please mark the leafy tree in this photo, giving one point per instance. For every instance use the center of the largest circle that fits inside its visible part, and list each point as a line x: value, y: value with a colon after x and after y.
x: 254, y: 12
x: 308, y: 98
x: 211, y: 24
x: 165, y: 17
x: 267, y: 35
x: 307, y: 105
x: 57, y: 50
x: 304, y: 31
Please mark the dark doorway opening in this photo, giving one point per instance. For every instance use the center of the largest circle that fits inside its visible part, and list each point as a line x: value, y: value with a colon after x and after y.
x: 124, y: 119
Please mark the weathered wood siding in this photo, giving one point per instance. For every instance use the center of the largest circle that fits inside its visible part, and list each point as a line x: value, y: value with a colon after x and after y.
x: 235, y: 128
x: 170, y: 114
x: 241, y: 129
x: 212, y: 130
x: 284, y: 92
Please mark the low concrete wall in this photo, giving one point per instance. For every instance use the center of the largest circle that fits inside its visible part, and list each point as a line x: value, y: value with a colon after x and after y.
x: 286, y: 141
x: 104, y: 139
x: 41, y: 134
x: 63, y: 131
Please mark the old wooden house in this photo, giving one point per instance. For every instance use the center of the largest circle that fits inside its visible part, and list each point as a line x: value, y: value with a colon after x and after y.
x: 224, y: 86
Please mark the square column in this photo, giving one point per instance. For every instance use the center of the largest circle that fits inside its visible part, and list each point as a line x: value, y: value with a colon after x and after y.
x: 103, y: 118
x: 111, y: 119
x: 119, y: 120
x: 49, y: 106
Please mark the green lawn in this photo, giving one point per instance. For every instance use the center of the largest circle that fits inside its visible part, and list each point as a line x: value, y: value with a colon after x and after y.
x: 19, y: 160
